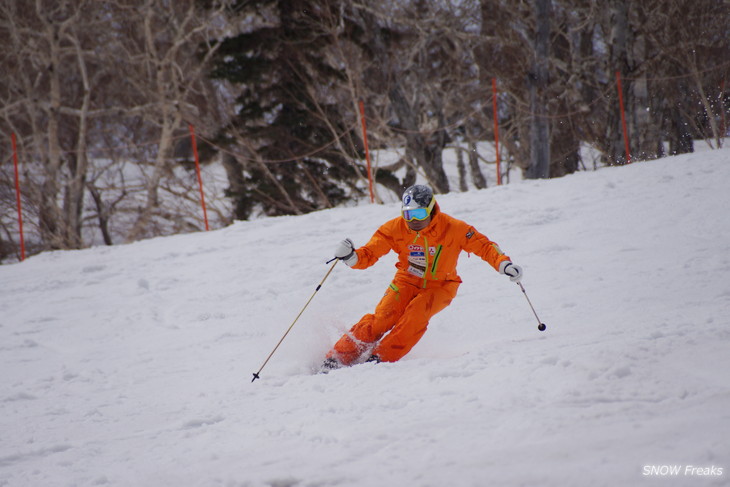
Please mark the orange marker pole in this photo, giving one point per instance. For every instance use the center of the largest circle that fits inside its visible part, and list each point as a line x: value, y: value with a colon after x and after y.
x: 17, y: 197
x: 496, y: 129
x: 200, y: 179
x: 367, y: 151
x: 623, y: 117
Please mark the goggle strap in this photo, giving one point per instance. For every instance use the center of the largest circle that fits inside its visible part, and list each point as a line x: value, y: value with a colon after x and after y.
x: 431, y: 204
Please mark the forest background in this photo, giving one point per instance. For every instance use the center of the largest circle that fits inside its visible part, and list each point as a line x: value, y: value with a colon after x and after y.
x: 101, y: 96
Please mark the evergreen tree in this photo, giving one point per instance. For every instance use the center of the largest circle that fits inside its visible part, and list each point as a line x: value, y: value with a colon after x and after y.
x: 289, y: 117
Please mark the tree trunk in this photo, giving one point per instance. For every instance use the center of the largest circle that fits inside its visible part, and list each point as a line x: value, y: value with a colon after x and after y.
x: 680, y: 138
x: 74, y: 198
x: 103, y: 214
x: 50, y: 215
x: 427, y: 154
x: 537, y: 81
x: 565, y: 148
x: 476, y: 172
x: 647, y: 134
x: 164, y: 146
x: 461, y: 168
x: 236, y: 186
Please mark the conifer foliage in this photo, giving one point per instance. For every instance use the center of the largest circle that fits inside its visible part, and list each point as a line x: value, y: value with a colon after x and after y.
x: 288, y: 126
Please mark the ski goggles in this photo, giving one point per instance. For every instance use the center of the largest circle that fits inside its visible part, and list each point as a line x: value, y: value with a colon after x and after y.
x: 419, y: 214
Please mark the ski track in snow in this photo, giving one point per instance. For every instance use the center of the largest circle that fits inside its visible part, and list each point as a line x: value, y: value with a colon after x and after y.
x: 131, y: 365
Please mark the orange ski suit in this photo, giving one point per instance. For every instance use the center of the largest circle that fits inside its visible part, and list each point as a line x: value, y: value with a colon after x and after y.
x: 425, y: 283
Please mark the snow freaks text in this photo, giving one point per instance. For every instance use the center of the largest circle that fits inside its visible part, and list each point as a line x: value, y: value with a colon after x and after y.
x: 681, y: 471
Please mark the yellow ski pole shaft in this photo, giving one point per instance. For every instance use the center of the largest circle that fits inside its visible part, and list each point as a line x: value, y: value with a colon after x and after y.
x: 256, y: 374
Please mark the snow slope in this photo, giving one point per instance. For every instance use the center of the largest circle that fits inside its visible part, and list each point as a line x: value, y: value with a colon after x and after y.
x: 132, y: 365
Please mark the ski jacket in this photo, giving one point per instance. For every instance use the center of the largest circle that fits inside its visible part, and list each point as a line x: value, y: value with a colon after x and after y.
x: 432, y: 253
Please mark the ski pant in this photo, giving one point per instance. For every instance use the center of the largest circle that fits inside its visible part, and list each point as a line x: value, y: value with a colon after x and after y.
x: 399, y: 321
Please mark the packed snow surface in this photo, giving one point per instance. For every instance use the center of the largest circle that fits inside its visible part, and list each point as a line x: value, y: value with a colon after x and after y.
x: 132, y: 365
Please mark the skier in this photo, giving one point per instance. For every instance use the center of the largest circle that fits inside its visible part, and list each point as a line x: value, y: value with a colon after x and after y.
x: 428, y: 243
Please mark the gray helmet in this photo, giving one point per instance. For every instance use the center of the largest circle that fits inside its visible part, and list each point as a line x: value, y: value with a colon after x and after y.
x: 418, y: 203
x: 417, y: 196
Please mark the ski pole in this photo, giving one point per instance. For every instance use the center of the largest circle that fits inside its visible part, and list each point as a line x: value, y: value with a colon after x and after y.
x: 256, y: 374
x: 540, y: 326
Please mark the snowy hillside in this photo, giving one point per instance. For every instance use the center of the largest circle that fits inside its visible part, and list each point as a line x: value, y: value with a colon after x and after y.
x: 132, y: 365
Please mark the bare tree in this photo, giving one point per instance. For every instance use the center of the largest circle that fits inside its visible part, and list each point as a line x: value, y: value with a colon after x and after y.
x: 166, y: 70
x: 100, y: 94
x: 538, y: 82
x: 48, y: 90
x: 81, y: 70
x: 423, y: 84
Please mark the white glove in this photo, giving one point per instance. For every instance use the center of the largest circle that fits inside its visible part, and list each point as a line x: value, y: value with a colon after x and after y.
x: 513, y: 271
x: 345, y: 251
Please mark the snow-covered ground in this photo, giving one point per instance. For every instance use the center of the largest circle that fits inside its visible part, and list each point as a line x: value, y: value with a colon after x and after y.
x: 132, y: 365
